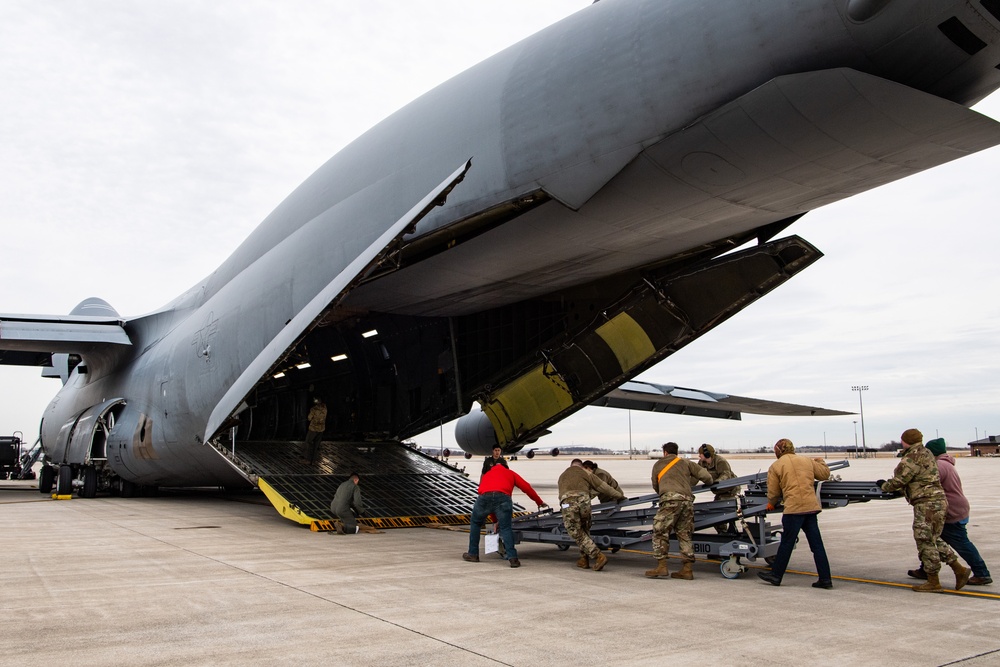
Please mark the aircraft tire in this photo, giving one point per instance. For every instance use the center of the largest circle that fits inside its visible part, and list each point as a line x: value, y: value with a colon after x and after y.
x: 89, y: 488
x: 64, y: 485
x: 45, y: 479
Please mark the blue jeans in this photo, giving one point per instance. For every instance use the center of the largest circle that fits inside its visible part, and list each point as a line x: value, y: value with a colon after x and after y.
x: 957, y: 537
x: 492, y: 502
x: 791, y: 524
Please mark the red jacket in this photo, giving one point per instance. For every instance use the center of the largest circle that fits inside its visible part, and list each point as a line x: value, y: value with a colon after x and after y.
x: 503, y: 480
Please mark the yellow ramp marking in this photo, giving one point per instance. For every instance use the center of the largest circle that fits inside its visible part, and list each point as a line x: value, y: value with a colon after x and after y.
x: 627, y: 340
x: 284, y: 507
x: 526, y: 402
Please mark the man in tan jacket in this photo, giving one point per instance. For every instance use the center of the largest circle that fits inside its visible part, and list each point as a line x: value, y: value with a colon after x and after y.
x: 790, y: 481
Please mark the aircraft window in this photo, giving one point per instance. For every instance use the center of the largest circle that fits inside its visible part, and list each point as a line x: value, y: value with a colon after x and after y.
x: 963, y: 38
x: 993, y: 7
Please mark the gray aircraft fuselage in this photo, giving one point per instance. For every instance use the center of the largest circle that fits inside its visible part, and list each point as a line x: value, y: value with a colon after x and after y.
x: 632, y: 140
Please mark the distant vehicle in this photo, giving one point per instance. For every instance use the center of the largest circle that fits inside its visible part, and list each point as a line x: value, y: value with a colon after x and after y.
x: 13, y: 458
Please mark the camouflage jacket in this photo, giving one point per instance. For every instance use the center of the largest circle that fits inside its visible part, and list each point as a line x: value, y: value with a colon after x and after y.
x: 916, y: 476
x: 317, y: 418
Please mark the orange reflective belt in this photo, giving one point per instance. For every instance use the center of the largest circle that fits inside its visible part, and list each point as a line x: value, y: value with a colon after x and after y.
x: 666, y: 468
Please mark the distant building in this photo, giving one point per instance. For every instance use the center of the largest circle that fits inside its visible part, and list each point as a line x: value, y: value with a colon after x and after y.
x: 989, y: 446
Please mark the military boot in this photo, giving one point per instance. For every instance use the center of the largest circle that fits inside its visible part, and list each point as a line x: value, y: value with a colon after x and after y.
x: 918, y: 573
x: 600, y: 562
x: 583, y: 562
x: 684, y: 573
x: 933, y: 585
x: 660, y: 571
x: 962, y: 574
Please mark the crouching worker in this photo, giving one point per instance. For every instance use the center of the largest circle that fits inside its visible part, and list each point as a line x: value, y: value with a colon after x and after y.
x: 346, y: 504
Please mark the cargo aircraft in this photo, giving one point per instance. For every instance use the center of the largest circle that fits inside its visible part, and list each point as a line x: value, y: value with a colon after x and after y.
x: 529, y: 236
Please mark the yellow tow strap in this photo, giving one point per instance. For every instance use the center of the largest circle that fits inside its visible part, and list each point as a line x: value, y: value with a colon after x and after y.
x: 666, y: 468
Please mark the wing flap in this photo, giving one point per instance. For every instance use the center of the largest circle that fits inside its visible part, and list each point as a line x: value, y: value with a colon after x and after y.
x: 634, y: 395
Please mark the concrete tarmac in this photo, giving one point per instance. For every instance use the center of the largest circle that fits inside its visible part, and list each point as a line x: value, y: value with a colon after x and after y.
x: 196, y: 578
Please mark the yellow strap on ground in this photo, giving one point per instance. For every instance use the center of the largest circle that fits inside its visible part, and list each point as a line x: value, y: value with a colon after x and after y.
x: 285, y: 508
x: 56, y: 496
x: 877, y: 582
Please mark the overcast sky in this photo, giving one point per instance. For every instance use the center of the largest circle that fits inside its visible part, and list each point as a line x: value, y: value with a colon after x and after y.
x: 143, y: 141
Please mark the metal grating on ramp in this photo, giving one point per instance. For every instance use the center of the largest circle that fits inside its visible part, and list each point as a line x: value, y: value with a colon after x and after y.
x: 401, y: 486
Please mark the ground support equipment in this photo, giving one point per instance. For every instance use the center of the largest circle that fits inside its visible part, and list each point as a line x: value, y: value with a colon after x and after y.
x: 628, y: 523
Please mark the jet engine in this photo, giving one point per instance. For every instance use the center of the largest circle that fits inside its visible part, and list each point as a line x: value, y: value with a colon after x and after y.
x: 475, y: 435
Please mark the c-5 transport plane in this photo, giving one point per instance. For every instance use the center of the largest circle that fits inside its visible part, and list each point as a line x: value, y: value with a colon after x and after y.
x: 528, y: 236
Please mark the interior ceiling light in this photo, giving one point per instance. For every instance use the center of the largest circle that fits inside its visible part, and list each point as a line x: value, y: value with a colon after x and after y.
x: 278, y: 376
x: 304, y: 364
x: 338, y: 357
x: 369, y: 334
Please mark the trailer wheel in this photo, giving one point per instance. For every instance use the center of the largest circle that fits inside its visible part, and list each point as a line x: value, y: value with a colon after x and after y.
x: 562, y: 547
x: 731, y: 569
x: 89, y: 489
x: 45, y: 479
x: 64, y: 486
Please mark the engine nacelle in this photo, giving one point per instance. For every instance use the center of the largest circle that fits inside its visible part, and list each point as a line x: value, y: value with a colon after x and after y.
x: 475, y: 435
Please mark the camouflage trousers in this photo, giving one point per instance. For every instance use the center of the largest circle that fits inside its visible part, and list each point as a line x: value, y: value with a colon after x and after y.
x: 928, y: 521
x: 576, y: 518
x: 675, y: 515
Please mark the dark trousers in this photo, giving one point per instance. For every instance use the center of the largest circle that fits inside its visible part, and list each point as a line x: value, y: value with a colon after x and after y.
x: 492, y: 502
x: 957, y: 537
x: 313, y: 439
x: 791, y: 524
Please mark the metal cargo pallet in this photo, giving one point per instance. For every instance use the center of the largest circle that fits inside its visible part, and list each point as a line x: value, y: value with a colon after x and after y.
x: 731, y: 530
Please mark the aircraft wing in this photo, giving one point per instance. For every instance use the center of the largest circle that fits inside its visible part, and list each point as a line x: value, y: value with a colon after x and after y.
x: 650, y: 397
x: 31, y: 340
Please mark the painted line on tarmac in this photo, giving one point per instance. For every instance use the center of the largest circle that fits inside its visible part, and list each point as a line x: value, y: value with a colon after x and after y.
x: 876, y: 582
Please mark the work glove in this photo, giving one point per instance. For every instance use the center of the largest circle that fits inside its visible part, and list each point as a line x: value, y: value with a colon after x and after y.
x: 770, y: 507
x: 879, y: 483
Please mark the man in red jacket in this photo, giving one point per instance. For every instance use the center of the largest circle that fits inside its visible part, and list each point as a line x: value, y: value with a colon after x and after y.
x: 495, y: 489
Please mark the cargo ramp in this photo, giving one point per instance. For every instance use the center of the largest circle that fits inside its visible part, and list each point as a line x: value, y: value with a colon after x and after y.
x: 402, y: 487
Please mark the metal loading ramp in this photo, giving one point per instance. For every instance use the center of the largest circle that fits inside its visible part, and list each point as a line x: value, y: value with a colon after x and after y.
x: 731, y: 530
x: 402, y: 487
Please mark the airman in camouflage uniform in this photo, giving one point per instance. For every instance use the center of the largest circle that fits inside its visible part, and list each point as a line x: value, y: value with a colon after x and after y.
x: 917, y: 477
x: 576, y: 485
x: 673, y: 478
x: 720, y: 470
x: 605, y: 477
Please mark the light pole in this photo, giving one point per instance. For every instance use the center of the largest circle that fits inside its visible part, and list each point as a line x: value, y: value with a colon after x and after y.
x: 859, y: 389
x: 629, y: 435
x: 855, y: 438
